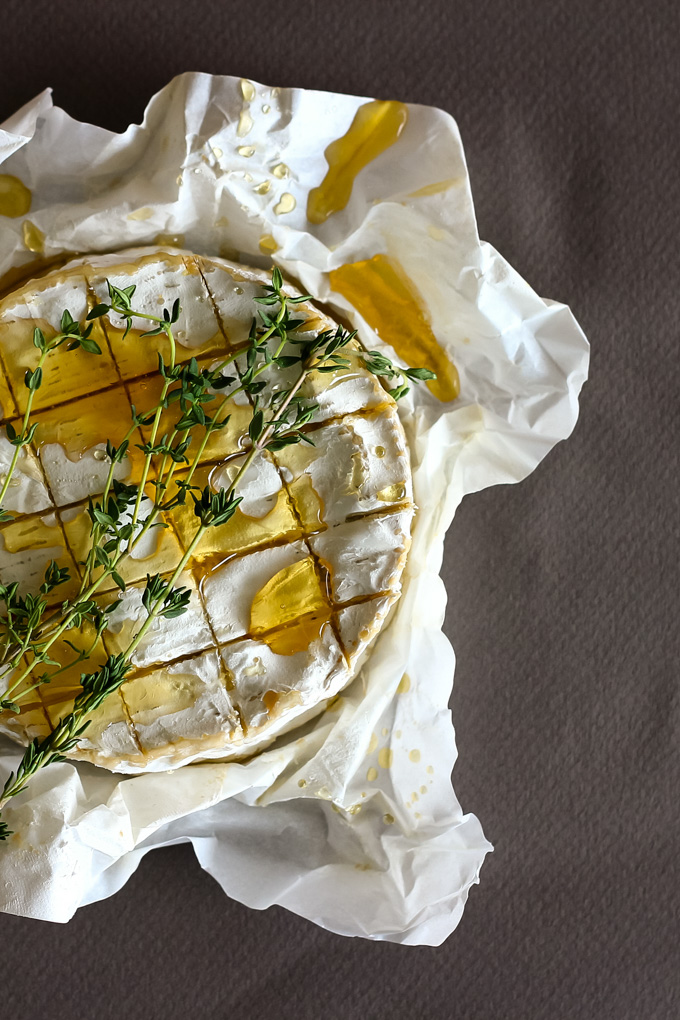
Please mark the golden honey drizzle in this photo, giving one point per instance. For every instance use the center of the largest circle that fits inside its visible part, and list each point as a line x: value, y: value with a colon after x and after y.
x: 376, y: 126
x: 145, y: 213
x: 268, y: 245
x: 288, y: 613
x: 269, y: 699
x: 33, y: 270
x: 247, y: 90
x: 15, y: 198
x: 174, y: 240
x: 292, y: 600
x: 34, y: 239
x: 245, y: 123
x: 385, y: 297
x: 404, y: 684
x: 285, y: 204
x: 24, y: 535
x: 86, y: 423
x: 437, y: 187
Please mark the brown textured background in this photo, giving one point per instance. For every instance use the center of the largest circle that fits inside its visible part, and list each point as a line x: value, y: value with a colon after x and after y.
x: 563, y: 590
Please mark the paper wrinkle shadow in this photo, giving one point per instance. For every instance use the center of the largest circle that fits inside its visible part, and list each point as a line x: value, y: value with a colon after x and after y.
x: 350, y: 821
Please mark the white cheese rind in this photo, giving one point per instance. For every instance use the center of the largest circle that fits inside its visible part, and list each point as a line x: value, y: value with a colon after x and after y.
x: 26, y: 492
x: 365, y: 556
x: 167, y: 639
x: 302, y: 678
x: 358, y: 625
x: 229, y: 590
x: 227, y: 700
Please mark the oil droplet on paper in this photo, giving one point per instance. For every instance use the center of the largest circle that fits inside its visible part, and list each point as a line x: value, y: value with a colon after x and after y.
x: 423, y: 789
x: 100, y: 455
x: 285, y: 204
x: 174, y: 240
x: 436, y: 233
x: 372, y: 774
x: 227, y: 252
x: 280, y: 170
x: 247, y: 90
x: 217, y: 152
x: 302, y: 783
x: 263, y: 188
x: 430, y: 769
x: 268, y: 245
x: 376, y: 126
x: 437, y: 187
x: 385, y: 731
x: 15, y: 198
x: 388, y: 819
x: 245, y: 123
x: 404, y: 684
x: 373, y: 743
x: 246, y: 150
x: 275, y: 92
x: 354, y: 809
x: 385, y: 757
x: 414, y: 755
x: 266, y: 108
x: 34, y: 239
x: 379, y: 451
x: 145, y: 213
x: 386, y: 298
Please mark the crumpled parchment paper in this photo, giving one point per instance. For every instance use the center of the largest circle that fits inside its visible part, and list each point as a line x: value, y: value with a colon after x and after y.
x: 350, y: 821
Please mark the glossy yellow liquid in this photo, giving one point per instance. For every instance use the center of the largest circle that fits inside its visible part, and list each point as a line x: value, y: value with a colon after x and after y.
x: 385, y: 297
x: 84, y: 401
x: 376, y: 126
x: 15, y: 198
x: 292, y: 600
x: 34, y: 239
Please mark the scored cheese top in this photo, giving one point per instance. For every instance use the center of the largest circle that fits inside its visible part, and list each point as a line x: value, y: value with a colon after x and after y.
x: 286, y: 597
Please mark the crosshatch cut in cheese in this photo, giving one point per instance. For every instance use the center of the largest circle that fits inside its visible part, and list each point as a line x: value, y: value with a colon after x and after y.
x: 285, y: 599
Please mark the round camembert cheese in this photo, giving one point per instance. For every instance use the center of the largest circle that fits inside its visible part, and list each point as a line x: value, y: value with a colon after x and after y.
x: 285, y: 598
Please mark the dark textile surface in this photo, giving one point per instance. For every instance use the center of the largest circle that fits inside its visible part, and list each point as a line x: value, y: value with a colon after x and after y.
x: 563, y: 590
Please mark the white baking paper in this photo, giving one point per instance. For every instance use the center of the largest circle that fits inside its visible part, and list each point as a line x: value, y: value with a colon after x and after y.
x: 351, y: 821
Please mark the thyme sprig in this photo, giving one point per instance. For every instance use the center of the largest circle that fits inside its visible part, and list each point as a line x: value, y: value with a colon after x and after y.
x: 379, y: 364
x: 74, y: 336
x: 123, y: 515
